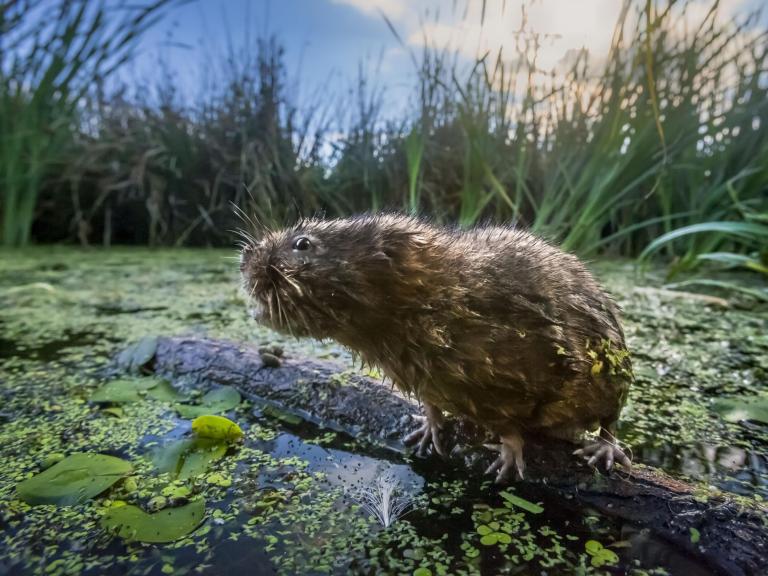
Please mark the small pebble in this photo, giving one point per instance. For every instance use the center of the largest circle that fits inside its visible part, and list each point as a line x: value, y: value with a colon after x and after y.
x: 270, y: 360
x: 273, y: 349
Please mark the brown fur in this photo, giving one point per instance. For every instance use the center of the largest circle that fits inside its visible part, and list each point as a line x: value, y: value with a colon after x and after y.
x: 493, y: 323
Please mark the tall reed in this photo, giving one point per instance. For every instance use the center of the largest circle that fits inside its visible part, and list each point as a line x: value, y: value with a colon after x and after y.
x: 668, y: 132
x: 51, y: 56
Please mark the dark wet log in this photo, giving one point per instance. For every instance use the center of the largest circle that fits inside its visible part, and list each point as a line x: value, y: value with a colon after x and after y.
x: 733, y: 538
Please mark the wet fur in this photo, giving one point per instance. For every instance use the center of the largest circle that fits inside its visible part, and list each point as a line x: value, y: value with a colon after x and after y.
x: 493, y: 323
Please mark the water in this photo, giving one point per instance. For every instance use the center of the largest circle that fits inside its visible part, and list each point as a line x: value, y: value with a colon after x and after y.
x: 285, y: 500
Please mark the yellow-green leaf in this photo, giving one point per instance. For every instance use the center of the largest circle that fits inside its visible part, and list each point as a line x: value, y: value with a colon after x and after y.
x: 216, y: 427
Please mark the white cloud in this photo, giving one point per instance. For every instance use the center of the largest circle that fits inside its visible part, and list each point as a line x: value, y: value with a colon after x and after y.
x: 393, y: 9
x: 563, y: 26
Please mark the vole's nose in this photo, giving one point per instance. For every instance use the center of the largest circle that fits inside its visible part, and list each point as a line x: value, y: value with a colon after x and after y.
x: 273, y: 267
x: 246, y: 254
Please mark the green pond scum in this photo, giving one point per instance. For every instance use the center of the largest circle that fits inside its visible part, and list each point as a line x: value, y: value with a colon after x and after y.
x: 134, y: 474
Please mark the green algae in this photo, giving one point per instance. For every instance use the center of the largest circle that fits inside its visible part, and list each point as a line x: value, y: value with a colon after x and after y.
x: 743, y: 408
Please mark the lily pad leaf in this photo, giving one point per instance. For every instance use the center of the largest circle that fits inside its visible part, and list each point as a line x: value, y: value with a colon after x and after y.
x: 139, y: 354
x: 741, y: 408
x: 167, y: 525
x: 165, y: 392
x: 216, y: 427
x: 521, y: 503
x: 214, y: 402
x: 74, y: 479
x: 187, y: 458
x: 124, y: 390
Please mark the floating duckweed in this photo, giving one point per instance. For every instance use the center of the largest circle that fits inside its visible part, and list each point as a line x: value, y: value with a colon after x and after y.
x: 600, y: 556
x: 695, y: 535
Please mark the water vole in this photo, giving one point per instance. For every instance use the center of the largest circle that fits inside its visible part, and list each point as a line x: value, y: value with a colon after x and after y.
x: 491, y: 324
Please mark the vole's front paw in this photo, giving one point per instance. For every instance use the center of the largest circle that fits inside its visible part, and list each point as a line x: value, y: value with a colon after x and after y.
x: 604, y: 452
x: 428, y: 434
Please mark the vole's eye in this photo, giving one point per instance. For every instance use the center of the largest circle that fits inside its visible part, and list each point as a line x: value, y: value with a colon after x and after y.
x: 301, y: 243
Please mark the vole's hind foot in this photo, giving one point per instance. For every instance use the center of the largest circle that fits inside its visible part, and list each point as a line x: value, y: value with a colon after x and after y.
x: 428, y: 434
x: 510, y: 457
x: 603, y: 453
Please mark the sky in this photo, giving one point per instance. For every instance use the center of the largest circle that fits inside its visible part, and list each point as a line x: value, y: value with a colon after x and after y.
x: 327, y: 41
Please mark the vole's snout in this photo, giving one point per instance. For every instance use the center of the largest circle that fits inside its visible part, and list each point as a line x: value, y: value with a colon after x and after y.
x: 245, y: 256
x: 273, y: 268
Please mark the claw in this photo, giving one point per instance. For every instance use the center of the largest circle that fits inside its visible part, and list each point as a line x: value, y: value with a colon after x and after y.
x: 427, y: 434
x: 603, y: 451
x: 510, y: 457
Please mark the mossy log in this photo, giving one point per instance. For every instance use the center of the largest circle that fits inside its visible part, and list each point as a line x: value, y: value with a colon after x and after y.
x: 732, y: 536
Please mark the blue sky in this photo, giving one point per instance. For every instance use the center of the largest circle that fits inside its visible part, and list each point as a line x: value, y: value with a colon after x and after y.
x: 324, y: 42
x: 327, y: 40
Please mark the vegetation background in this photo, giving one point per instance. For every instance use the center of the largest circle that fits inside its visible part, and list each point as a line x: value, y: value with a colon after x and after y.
x: 661, y: 149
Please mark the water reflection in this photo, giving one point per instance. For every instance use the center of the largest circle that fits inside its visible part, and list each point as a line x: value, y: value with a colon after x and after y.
x: 729, y: 467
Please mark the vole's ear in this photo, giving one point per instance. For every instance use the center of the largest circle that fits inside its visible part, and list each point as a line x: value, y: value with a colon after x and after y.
x: 399, y: 246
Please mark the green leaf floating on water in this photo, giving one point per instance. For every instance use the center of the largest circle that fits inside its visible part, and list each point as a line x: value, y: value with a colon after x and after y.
x: 521, y: 503
x: 167, y: 525
x: 139, y: 354
x: 135, y: 389
x: 216, y: 427
x: 187, y: 458
x: 740, y: 408
x: 124, y: 390
x: 214, y: 402
x: 74, y: 480
x: 165, y: 392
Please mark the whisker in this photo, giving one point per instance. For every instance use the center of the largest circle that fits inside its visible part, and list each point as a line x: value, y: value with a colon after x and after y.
x: 276, y: 293
x: 289, y: 280
x: 240, y: 213
x: 248, y: 237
